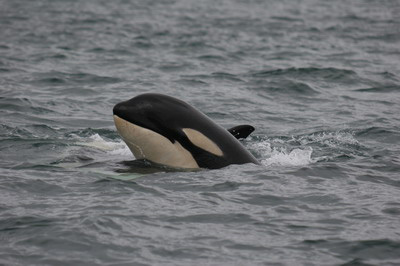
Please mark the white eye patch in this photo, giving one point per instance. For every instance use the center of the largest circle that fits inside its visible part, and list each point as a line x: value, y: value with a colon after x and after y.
x: 201, y: 141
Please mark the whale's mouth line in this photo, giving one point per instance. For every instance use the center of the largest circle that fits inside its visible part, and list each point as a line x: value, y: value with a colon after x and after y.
x: 143, y: 156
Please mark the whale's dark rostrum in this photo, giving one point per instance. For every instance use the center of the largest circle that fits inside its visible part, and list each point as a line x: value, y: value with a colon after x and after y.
x: 168, y: 131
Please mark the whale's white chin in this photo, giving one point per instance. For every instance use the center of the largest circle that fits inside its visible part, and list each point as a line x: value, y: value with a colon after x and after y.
x: 149, y: 145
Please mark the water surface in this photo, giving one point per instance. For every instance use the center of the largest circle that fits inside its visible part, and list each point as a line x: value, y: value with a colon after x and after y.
x: 318, y: 80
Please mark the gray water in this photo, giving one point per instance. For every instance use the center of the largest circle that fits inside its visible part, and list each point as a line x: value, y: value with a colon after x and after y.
x: 319, y: 80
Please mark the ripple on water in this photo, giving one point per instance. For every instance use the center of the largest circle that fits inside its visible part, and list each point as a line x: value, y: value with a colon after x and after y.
x: 63, y: 78
x: 310, y: 73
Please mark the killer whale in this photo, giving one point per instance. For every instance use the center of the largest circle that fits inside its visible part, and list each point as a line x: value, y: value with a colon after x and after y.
x: 168, y: 131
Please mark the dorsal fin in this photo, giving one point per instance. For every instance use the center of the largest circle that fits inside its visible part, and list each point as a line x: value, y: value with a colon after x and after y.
x: 241, y: 131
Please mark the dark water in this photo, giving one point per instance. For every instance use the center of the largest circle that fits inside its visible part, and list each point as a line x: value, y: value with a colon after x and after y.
x: 318, y: 79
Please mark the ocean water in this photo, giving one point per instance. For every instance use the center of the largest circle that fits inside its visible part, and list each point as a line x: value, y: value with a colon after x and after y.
x: 319, y: 80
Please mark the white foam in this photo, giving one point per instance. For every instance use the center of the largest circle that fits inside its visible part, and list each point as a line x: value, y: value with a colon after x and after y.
x: 281, y: 156
x: 112, y: 147
x: 296, y: 157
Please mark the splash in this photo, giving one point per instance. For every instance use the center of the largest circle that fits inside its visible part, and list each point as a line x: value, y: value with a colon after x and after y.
x: 99, y: 143
x: 281, y: 156
x: 306, y: 149
x: 296, y: 157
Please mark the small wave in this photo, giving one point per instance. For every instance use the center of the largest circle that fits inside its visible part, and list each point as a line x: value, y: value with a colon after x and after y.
x: 383, y: 134
x: 301, y: 89
x: 192, y: 82
x: 226, y: 76
x: 61, y: 78
x: 174, y: 66
x: 212, y: 58
x: 331, y: 139
x: 380, y: 89
x: 312, y: 77
x: 330, y: 72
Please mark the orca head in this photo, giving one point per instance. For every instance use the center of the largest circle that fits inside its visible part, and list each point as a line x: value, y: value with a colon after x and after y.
x: 159, y: 128
x: 151, y: 111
